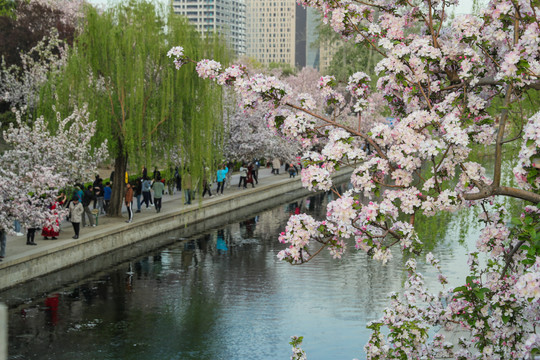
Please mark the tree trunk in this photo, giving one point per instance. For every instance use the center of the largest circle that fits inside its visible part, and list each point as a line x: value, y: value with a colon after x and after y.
x: 118, y: 185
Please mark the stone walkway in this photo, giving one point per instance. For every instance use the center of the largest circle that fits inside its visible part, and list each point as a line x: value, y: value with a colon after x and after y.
x: 16, y: 246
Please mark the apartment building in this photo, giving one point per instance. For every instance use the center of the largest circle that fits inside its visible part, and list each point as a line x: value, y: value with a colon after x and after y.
x: 271, y: 31
x: 227, y: 17
x: 280, y: 31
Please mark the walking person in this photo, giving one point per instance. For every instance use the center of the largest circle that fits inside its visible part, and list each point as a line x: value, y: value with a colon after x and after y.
x: 177, y: 179
x: 243, y: 175
x: 17, y: 228
x: 170, y: 186
x: 3, y: 240
x: 30, y: 235
x: 88, y: 196
x: 80, y: 192
x: 76, y: 211
x: 146, y: 186
x: 276, y: 164
x: 228, y: 177
x: 144, y: 172
x: 96, y: 187
x: 137, y: 190
x: 158, y: 186
x: 206, y: 182
x: 186, y: 185
x: 128, y: 200
x: 156, y: 174
x: 293, y: 170
x: 100, y: 198
x: 222, y: 174
x: 249, y: 177
x: 256, y: 165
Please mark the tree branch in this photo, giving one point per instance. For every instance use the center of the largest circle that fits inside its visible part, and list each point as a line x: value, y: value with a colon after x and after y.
x: 351, y: 130
x: 508, y: 258
x: 500, y: 137
x: 505, y: 191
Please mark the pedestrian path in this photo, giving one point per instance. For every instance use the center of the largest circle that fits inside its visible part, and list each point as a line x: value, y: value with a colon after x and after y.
x: 17, y: 249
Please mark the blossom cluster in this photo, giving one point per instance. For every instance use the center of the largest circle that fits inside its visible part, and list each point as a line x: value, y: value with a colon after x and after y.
x: 177, y: 53
x: 358, y: 86
x: 299, y: 231
x: 208, y: 69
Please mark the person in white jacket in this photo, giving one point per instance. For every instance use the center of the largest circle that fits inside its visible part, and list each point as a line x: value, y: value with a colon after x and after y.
x: 75, y: 215
x: 276, y: 164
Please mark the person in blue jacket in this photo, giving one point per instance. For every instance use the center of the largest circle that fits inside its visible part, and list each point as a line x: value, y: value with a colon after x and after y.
x: 221, y: 175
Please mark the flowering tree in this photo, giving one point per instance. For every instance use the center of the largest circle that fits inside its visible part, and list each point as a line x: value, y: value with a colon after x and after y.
x: 247, y: 137
x: 31, y: 21
x: 35, y: 35
x: 19, y: 86
x: 451, y: 87
x: 39, y: 162
x: 248, y: 134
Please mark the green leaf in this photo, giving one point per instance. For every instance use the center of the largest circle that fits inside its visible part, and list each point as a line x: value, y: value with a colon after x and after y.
x: 481, y: 292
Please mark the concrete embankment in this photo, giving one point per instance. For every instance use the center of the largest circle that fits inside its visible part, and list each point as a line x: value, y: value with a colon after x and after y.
x: 113, y: 240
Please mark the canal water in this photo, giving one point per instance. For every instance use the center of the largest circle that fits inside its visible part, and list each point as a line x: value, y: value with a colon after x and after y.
x: 223, y: 294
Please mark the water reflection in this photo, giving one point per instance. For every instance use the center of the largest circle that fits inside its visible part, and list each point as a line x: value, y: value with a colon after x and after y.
x: 219, y: 295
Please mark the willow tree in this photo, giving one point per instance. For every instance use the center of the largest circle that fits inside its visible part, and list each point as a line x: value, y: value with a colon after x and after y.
x: 144, y: 107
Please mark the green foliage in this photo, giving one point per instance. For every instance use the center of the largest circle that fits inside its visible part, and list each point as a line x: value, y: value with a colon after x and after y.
x: 431, y: 229
x: 519, y: 111
x: 7, y: 8
x: 6, y: 118
x: 144, y: 107
x: 351, y: 58
x: 286, y: 69
x: 527, y: 230
x: 251, y: 63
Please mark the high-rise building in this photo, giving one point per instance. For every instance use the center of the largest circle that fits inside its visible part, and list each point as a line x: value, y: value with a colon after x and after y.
x: 226, y: 17
x: 327, y: 50
x: 312, y: 36
x: 271, y: 31
x: 281, y: 31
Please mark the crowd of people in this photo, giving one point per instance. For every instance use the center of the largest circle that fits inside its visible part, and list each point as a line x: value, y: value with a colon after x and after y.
x: 87, y: 203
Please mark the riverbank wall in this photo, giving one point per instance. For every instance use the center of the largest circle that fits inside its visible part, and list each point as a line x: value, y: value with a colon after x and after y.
x: 115, y: 241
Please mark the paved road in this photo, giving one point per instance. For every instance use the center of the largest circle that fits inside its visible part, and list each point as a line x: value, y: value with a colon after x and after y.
x: 16, y: 246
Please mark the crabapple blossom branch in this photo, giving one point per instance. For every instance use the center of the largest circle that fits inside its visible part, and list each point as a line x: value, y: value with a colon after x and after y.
x: 349, y: 129
x: 509, y: 257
